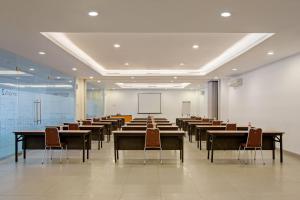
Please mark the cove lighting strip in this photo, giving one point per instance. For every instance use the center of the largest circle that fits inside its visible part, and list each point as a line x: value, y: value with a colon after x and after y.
x: 152, y: 85
x: 13, y: 73
x: 246, y: 43
x: 35, y: 86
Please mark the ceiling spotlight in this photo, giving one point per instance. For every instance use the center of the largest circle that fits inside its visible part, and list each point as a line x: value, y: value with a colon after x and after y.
x: 74, y: 69
x: 195, y: 46
x: 225, y: 14
x: 31, y: 69
x: 171, y: 81
x: 216, y: 77
x: 234, y: 69
x: 70, y: 81
x: 132, y: 77
x: 93, y: 13
x: 181, y: 64
x: 58, y: 77
x: 42, y: 53
x: 271, y: 53
x: 126, y: 64
x: 175, y: 77
x: 98, y: 81
x: 91, y: 77
x: 117, y: 45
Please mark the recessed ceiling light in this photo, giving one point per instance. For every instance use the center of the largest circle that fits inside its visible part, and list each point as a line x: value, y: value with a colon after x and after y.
x: 93, y: 88
x: 74, y: 69
x: 93, y: 13
x: 42, y: 53
x: 175, y: 77
x: 216, y: 77
x: 195, y: 46
x: 181, y: 64
x: 234, y: 69
x: 225, y: 14
x: 91, y: 77
x: 171, y: 81
x: 98, y: 81
x: 31, y: 69
x: 270, y: 53
x: 132, y: 77
x: 126, y: 64
x: 117, y: 45
x: 58, y: 77
x: 70, y: 81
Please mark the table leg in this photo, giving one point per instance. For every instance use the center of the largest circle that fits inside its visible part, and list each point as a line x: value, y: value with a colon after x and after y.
x: 24, y: 147
x: 200, y: 139
x: 16, y: 148
x: 191, y: 133
x: 99, y: 139
x: 89, y: 139
x: 273, y: 150
x: 83, y: 148
x: 212, y: 149
x: 182, y: 150
x: 281, y: 153
x: 208, y: 150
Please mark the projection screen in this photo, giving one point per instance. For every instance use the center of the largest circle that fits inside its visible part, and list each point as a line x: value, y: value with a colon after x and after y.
x: 149, y: 103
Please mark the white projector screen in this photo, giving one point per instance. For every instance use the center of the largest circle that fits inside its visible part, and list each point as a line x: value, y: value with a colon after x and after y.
x: 149, y: 103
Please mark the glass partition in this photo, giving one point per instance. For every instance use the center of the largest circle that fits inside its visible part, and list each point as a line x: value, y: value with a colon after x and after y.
x: 94, y: 100
x: 32, y: 97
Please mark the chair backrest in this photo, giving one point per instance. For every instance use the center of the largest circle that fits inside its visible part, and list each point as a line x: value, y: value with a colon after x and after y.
x: 152, y: 138
x: 96, y: 120
x: 86, y: 122
x: 73, y: 126
x: 52, y: 138
x: 254, y: 138
x: 205, y: 120
x: 216, y: 123
x: 150, y: 125
x: 231, y: 127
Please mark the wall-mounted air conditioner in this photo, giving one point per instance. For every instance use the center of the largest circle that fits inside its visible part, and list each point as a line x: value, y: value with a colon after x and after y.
x: 236, y: 82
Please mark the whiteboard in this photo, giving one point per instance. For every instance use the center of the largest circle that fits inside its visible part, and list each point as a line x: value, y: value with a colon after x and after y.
x: 149, y: 103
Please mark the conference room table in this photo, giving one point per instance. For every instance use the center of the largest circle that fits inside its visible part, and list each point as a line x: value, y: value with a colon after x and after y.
x: 231, y: 140
x: 135, y: 140
x: 145, y: 123
x: 185, y: 123
x: 191, y: 128
x: 145, y: 118
x: 179, y: 121
x: 144, y: 127
x: 35, y: 139
x: 97, y: 132
x: 107, y: 128
x: 201, y: 132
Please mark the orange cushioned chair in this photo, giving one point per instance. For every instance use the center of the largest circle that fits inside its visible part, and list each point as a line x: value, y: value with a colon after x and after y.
x: 74, y: 126
x: 254, y: 141
x: 231, y: 127
x: 52, y: 141
x: 86, y: 122
x: 152, y: 141
x: 216, y: 123
x: 205, y: 120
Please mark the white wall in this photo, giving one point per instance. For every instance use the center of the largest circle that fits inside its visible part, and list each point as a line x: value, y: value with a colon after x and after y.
x: 269, y: 98
x: 126, y: 102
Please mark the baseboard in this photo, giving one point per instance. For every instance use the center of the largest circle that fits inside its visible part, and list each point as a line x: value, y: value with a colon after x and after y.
x: 295, y: 155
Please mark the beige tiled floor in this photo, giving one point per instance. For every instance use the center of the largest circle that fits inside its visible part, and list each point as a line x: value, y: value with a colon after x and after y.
x: 130, y: 179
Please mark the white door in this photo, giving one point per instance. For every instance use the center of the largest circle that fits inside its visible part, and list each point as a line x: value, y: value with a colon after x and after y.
x: 186, y: 109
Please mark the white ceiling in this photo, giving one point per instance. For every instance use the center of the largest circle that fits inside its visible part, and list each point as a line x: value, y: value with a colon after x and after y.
x: 166, y: 21
x: 153, y: 51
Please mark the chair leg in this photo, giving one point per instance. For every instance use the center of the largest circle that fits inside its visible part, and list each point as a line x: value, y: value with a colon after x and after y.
x: 254, y: 153
x: 144, y: 156
x: 60, y: 156
x: 160, y: 152
x: 44, y: 156
x: 239, y: 152
x: 262, y: 156
x: 50, y: 153
x: 67, y: 155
